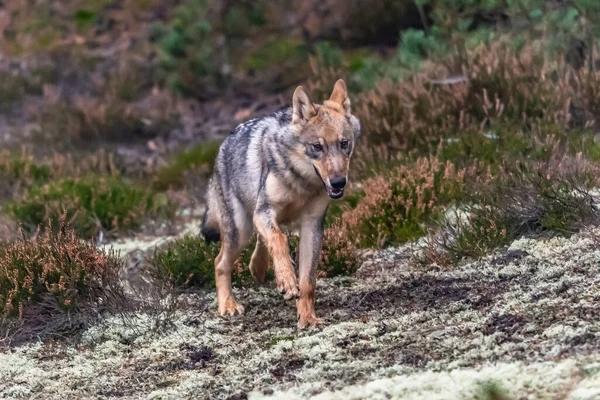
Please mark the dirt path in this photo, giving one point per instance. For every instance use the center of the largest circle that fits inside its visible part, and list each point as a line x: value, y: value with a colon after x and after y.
x: 526, y: 319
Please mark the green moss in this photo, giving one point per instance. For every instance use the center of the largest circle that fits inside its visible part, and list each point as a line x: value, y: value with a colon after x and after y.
x: 278, y: 339
x: 490, y: 390
x: 91, y: 204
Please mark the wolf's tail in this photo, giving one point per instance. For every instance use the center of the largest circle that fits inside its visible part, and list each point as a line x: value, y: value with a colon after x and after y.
x: 210, y: 222
x: 210, y: 226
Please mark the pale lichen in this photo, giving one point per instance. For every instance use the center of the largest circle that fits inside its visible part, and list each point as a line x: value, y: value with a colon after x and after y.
x: 529, y: 323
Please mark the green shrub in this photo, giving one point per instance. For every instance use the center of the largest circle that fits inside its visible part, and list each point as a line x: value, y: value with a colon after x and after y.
x: 415, y: 46
x: 187, y: 262
x: 188, y: 62
x: 190, y: 262
x: 18, y: 173
x: 198, y: 160
x: 276, y: 53
x: 54, y: 283
x: 91, y: 204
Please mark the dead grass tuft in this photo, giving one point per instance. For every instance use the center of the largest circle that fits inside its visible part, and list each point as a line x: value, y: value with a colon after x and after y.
x: 526, y: 198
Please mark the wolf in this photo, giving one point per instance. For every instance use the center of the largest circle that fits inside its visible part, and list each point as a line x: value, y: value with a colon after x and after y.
x: 278, y: 173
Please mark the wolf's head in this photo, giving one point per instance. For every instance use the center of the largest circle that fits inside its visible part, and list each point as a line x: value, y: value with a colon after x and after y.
x: 327, y: 134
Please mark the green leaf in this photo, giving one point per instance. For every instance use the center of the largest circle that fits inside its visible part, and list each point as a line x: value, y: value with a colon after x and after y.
x: 536, y: 14
x: 464, y: 24
x: 84, y: 18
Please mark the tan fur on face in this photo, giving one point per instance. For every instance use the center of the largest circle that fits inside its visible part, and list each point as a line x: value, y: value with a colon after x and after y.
x: 330, y: 126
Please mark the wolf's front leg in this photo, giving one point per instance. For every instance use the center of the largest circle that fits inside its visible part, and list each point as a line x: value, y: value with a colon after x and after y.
x: 277, y: 243
x: 223, y: 268
x: 311, y: 237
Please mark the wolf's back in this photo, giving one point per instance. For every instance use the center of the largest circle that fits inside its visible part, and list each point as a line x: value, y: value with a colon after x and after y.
x: 237, y: 173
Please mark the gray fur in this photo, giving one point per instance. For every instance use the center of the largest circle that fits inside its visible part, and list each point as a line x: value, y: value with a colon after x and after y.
x: 252, y: 150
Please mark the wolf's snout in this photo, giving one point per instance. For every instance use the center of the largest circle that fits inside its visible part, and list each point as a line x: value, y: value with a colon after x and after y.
x: 338, y: 183
x: 335, y: 189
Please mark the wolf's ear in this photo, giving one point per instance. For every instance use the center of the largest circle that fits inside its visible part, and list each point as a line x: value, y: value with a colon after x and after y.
x: 303, y: 108
x: 355, y: 126
x: 339, y: 97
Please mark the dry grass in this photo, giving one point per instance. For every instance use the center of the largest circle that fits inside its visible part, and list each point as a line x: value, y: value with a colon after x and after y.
x: 526, y: 198
x: 88, y: 120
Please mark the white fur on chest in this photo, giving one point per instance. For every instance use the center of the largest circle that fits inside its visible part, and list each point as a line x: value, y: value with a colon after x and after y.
x: 288, y: 203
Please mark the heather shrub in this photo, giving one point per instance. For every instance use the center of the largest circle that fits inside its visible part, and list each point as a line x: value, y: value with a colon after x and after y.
x: 497, y: 87
x: 395, y: 206
x: 586, y: 97
x: 411, y: 115
x: 55, y: 282
x: 338, y: 254
x: 91, y: 204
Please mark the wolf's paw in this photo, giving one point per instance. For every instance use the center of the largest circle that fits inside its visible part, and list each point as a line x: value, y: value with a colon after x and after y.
x: 258, y: 272
x: 230, y: 307
x: 310, y: 321
x: 287, y: 284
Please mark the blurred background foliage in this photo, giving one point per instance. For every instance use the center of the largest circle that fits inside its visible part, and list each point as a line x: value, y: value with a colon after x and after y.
x: 199, y: 48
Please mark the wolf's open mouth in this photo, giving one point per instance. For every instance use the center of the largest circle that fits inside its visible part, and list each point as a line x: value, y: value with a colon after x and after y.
x: 333, y: 193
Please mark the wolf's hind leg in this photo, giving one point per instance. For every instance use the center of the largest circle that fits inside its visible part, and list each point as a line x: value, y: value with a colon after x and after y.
x: 259, y: 263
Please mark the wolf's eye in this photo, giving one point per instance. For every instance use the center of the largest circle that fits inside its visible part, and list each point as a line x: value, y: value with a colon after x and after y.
x: 317, y: 146
x: 344, y: 144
